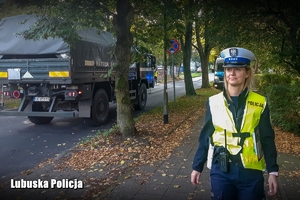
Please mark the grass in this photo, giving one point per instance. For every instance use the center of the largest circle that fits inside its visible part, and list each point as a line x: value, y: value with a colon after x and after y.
x: 188, y: 103
x: 194, y: 75
x: 10, y: 103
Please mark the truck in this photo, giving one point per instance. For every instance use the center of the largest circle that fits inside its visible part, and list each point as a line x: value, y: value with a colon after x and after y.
x: 55, y: 79
x: 219, y: 73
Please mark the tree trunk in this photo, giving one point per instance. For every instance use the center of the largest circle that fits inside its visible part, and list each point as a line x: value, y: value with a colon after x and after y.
x: 204, y: 52
x: 204, y: 67
x: 187, y: 51
x: 122, y: 22
x: 295, y: 49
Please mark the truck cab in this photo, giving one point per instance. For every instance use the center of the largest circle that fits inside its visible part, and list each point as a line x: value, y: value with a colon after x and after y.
x: 219, y: 73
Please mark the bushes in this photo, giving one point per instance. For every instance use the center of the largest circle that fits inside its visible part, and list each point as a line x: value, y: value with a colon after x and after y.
x: 256, y: 81
x: 283, y: 93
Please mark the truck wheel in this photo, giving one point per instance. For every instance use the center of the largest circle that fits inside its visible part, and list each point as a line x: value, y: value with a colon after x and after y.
x: 100, y: 108
x: 39, y: 120
x: 142, y: 98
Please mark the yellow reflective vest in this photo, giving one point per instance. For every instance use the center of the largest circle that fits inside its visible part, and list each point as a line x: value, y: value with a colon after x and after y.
x: 222, y: 119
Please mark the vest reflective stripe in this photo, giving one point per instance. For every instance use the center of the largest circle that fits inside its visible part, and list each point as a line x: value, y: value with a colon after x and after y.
x: 222, y: 119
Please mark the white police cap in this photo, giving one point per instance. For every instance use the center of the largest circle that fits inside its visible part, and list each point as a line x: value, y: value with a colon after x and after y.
x: 237, y: 57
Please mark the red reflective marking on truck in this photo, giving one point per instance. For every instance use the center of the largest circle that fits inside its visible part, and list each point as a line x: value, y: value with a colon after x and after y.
x: 16, y: 94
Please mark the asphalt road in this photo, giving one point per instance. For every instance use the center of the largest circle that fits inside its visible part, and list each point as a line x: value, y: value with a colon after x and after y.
x: 23, y: 145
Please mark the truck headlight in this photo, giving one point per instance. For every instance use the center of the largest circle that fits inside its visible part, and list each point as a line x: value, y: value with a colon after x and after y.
x: 65, y: 55
x: 217, y: 79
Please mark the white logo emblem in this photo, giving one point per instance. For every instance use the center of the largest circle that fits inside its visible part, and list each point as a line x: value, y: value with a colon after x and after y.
x: 233, y: 52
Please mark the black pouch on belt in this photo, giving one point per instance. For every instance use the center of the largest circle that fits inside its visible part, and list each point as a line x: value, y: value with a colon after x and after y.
x: 224, y: 161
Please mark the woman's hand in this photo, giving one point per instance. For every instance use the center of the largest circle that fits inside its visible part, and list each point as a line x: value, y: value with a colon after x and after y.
x: 195, y: 177
x: 273, y: 184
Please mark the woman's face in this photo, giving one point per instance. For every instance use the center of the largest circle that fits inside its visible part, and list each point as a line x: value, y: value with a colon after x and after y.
x: 236, y: 76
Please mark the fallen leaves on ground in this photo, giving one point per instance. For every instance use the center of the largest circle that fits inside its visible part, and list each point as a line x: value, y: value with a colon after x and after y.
x: 287, y: 142
x: 145, y: 148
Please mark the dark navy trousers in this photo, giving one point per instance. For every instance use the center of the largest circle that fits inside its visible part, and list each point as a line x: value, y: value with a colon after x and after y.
x: 237, y: 184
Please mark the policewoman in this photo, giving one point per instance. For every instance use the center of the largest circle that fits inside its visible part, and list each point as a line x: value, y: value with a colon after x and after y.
x: 237, y: 139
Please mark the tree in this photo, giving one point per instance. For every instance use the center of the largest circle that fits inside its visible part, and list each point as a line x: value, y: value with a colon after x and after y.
x: 170, y: 16
x: 122, y: 23
x: 204, y: 42
x: 186, y: 43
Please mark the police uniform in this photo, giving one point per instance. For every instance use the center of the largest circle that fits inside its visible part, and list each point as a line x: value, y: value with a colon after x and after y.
x: 240, y: 129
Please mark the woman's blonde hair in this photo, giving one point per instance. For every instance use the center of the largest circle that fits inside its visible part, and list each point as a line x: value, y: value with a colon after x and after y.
x: 248, y: 82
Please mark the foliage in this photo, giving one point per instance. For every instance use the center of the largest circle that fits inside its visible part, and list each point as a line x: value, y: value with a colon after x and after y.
x: 207, y: 34
x: 283, y: 98
x: 11, y: 7
x: 196, y: 74
x: 158, y: 21
x: 272, y: 79
x: 257, y: 81
x: 154, y: 22
x: 51, y: 27
x: 64, y: 19
x: 269, y: 28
